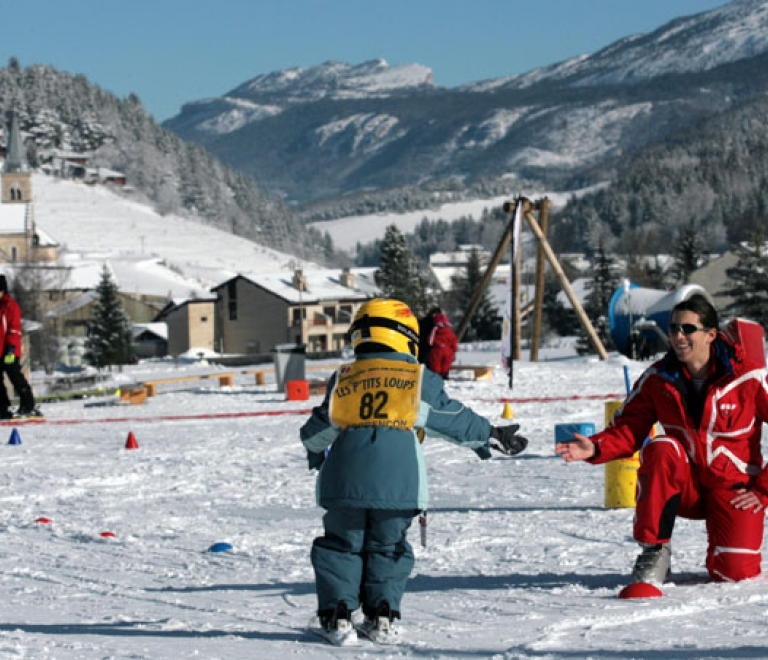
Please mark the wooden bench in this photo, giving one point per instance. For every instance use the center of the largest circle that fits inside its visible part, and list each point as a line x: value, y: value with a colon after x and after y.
x: 261, y: 374
x: 133, y: 394
x: 480, y: 371
x: 225, y: 380
x: 318, y: 386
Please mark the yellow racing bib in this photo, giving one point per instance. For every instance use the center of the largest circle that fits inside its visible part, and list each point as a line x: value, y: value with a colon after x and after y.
x: 376, y: 393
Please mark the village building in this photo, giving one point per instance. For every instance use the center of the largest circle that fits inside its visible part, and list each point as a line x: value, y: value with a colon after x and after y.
x: 150, y: 340
x: 20, y: 240
x: 191, y: 324
x: 714, y: 278
x: 313, y: 307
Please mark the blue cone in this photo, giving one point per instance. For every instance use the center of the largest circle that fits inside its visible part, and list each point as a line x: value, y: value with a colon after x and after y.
x: 15, y: 437
x: 220, y: 547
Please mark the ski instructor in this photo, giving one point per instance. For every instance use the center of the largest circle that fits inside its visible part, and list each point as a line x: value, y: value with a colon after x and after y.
x: 711, y: 400
x: 373, y: 481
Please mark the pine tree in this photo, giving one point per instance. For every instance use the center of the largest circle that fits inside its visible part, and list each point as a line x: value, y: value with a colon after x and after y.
x: 485, y: 322
x: 749, y: 279
x: 600, y: 289
x: 109, y: 333
x: 400, y: 275
x: 689, y: 250
x: 557, y: 316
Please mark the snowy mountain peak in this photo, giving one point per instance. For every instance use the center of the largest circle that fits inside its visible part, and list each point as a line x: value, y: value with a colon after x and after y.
x: 684, y: 45
x: 334, y: 80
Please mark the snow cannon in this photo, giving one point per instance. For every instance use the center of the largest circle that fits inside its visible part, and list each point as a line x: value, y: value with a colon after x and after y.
x: 638, y: 317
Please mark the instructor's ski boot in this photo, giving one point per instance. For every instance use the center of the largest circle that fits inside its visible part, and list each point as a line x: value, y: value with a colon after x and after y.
x: 653, y: 564
x: 28, y: 413
x: 379, y: 625
x: 336, y: 625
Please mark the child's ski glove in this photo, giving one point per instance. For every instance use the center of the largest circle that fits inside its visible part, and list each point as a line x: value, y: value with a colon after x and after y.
x: 315, y: 460
x: 509, y: 442
x: 10, y: 356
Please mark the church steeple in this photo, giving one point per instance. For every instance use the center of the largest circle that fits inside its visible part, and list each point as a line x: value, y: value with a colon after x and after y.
x: 17, y: 182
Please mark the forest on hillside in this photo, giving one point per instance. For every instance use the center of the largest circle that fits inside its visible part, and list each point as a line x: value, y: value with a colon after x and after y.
x: 57, y: 110
x: 713, y: 175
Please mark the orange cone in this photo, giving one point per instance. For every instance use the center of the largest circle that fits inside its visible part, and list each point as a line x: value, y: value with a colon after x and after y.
x: 507, y: 414
x: 131, y: 442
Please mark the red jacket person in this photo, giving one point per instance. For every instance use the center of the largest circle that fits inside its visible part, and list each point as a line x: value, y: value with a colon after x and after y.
x: 707, y: 464
x: 10, y: 360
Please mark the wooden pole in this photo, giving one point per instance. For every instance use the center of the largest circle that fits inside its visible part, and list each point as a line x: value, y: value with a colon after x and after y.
x: 538, y: 301
x: 580, y: 313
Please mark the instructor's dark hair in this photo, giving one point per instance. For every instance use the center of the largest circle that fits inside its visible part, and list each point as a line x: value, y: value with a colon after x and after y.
x: 698, y: 304
x: 3, y: 284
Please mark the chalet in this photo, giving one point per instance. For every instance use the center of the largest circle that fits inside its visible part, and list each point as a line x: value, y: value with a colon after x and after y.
x: 190, y: 324
x: 314, y: 308
x: 73, y: 317
x: 150, y: 340
x: 713, y: 277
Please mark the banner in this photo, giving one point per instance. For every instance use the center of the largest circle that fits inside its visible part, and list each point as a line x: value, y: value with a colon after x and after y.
x: 506, y: 324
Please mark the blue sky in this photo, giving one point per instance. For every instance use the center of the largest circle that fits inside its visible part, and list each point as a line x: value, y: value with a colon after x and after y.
x: 173, y: 51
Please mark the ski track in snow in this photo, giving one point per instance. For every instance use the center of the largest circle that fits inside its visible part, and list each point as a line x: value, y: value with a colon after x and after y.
x: 523, y: 560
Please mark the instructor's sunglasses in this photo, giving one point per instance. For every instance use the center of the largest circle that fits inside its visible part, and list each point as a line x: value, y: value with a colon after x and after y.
x: 685, y: 328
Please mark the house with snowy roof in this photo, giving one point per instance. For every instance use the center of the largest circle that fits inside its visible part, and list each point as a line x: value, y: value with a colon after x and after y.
x: 191, y: 324
x: 312, y: 307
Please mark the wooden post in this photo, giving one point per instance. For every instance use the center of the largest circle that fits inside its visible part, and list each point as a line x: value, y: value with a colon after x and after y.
x: 538, y: 303
x: 580, y: 313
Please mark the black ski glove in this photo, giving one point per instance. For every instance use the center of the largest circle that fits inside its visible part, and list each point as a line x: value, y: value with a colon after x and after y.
x: 315, y: 460
x: 509, y: 442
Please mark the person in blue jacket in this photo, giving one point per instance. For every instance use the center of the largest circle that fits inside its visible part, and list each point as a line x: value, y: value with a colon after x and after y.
x: 364, y: 439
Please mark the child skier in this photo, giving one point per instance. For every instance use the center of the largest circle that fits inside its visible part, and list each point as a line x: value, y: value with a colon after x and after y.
x: 373, y: 481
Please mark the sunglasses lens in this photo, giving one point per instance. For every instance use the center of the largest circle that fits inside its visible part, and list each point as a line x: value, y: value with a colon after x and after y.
x: 685, y: 328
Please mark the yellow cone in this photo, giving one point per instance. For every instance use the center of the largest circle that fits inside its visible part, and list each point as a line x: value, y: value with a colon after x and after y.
x: 507, y: 414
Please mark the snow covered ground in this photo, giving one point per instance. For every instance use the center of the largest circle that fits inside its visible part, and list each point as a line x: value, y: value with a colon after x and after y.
x: 523, y: 560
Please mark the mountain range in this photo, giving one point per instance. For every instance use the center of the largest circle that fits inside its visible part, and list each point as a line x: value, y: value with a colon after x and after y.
x: 336, y: 129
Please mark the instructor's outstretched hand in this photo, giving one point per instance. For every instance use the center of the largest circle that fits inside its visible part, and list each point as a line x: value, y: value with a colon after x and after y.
x: 581, y: 448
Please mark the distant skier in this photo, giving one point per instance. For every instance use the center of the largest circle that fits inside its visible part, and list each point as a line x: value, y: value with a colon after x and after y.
x: 373, y: 481
x: 10, y: 362
x: 710, y: 399
x: 438, y: 343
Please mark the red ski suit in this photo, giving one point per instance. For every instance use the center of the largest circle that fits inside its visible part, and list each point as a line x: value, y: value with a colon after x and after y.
x: 10, y: 326
x: 709, y: 447
x: 442, y: 352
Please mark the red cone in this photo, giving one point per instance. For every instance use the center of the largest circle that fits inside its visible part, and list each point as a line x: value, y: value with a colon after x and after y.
x: 131, y: 442
x: 43, y: 520
x: 640, y: 590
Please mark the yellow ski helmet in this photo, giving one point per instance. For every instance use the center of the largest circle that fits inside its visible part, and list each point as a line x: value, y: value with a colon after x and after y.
x: 387, y: 322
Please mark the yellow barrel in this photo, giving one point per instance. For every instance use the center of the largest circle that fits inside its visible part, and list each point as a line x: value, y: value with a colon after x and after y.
x: 620, y: 475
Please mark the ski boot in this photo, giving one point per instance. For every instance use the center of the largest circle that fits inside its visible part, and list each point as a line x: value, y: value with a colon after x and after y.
x: 652, y: 568
x: 379, y: 625
x: 653, y: 564
x: 336, y: 626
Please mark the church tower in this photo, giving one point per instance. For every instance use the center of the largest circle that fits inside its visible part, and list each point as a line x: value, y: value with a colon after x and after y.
x: 16, y: 178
